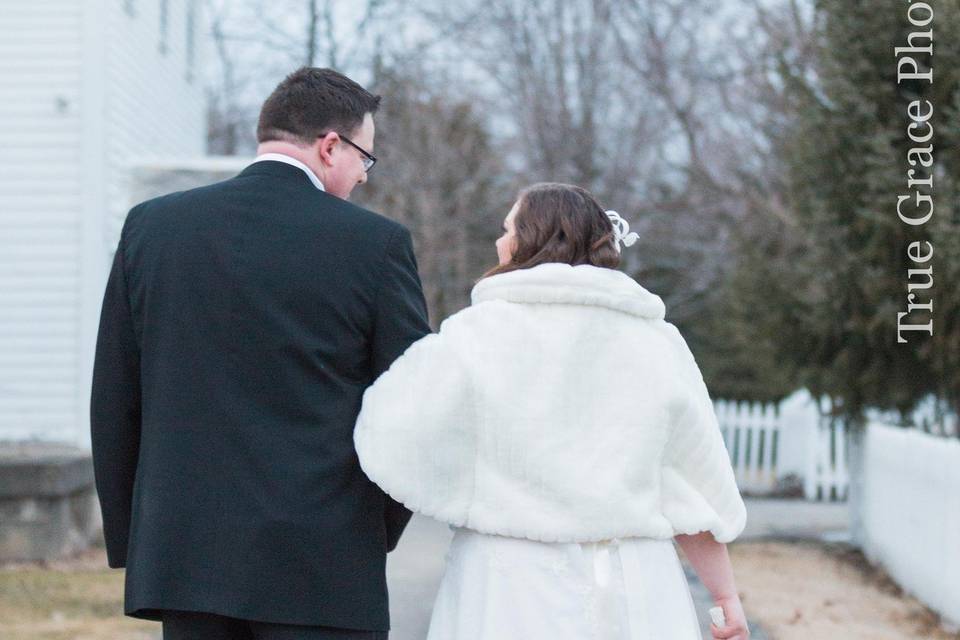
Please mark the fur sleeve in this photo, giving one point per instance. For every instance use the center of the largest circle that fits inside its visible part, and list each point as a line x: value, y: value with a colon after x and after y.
x: 415, y: 434
x: 699, y: 491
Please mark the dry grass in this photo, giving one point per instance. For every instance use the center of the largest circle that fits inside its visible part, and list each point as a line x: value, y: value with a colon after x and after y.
x: 799, y: 591
x: 75, y: 599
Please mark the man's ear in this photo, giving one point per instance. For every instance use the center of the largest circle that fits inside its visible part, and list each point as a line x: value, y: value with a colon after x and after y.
x: 324, y: 147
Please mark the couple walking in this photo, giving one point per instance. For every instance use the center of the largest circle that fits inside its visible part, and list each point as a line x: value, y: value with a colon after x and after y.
x: 269, y: 405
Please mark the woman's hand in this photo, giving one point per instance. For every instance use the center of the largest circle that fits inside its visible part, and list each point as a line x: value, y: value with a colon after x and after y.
x: 736, y: 620
x: 711, y: 561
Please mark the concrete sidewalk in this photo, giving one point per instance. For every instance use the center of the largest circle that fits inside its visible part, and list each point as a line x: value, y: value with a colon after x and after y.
x: 414, y: 569
x: 795, y: 519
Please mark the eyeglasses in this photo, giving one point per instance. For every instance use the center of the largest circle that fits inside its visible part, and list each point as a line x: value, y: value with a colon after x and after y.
x: 368, y: 159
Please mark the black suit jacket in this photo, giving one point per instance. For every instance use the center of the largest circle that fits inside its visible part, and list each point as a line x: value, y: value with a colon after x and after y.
x: 240, y: 326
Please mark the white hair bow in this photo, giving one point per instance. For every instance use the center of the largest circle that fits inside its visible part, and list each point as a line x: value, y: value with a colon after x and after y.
x: 621, y: 231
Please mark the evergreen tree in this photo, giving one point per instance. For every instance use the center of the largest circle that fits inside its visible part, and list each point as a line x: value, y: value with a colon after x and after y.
x: 846, y: 156
x: 842, y: 271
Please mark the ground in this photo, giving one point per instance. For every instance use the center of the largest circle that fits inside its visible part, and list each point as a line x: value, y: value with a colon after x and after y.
x: 794, y: 586
x: 75, y: 599
x: 804, y: 590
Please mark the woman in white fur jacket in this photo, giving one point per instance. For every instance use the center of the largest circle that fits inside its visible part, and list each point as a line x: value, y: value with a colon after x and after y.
x: 564, y: 430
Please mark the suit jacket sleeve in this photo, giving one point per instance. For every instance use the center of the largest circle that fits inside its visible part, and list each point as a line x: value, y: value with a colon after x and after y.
x: 400, y: 320
x: 115, y: 411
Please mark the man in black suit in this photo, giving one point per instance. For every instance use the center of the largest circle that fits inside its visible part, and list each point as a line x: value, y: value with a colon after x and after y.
x: 241, y: 323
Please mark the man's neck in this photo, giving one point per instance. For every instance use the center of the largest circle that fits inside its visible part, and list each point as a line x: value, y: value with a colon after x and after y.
x: 292, y: 151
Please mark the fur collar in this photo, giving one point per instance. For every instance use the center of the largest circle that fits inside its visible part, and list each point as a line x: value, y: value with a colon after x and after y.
x: 560, y: 283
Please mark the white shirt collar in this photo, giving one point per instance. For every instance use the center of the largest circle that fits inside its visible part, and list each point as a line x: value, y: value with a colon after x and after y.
x: 280, y: 157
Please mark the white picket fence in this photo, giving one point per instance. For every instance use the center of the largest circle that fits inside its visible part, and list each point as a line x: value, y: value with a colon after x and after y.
x: 911, y: 514
x: 751, y: 432
x: 769, y: 442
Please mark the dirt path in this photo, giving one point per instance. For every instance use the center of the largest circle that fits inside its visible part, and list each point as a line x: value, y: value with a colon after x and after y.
x: 809, y: 590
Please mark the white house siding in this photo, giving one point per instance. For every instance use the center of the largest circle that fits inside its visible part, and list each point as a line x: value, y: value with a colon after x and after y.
x: 153, y: 107
x: 85, y: 91
x: 40, y: 177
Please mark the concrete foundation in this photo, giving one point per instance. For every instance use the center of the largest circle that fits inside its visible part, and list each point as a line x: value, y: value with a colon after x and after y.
x: 48, y: 503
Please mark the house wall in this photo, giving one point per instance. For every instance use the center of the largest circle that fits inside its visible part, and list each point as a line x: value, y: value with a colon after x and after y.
x: 87, y: 89
x: 153, y: 106
x: 41, y: 46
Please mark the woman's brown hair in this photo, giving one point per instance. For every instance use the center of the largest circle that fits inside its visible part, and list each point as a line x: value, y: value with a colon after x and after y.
x: 558, y: 222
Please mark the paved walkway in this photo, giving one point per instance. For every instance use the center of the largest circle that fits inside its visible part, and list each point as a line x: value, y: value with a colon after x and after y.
x: 792, y: 519
x: 414, y: 569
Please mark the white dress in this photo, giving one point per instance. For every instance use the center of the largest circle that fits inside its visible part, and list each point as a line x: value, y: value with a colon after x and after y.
x: 556, y: 415
x: 500, y: 588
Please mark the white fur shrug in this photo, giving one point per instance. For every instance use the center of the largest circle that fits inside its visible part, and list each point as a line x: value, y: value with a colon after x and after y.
x: 559, y: 407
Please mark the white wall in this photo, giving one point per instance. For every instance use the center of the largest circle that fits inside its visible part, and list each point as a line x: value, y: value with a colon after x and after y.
x: 912, y: 513
x: 153, y: 106
x: 86, y: 89
x: 40, y: 225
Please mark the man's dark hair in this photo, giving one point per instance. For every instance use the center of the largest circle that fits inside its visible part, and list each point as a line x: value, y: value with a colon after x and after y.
x: 310, y: 102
